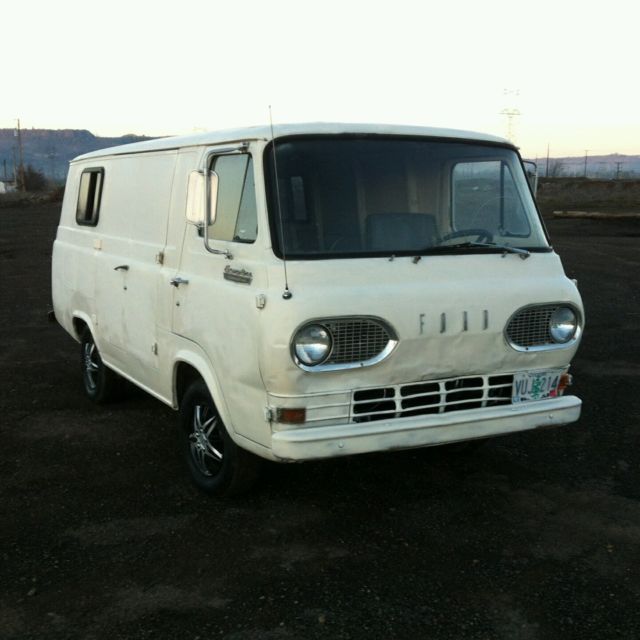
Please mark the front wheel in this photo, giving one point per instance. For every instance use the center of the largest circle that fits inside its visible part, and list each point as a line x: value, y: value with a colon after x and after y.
x: 216, y: 463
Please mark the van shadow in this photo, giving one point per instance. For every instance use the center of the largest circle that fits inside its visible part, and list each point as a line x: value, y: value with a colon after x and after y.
x: 413, y: 474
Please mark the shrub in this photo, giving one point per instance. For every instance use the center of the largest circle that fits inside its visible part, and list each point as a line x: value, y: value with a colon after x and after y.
x: 34, y: 180
x: 57, y: 193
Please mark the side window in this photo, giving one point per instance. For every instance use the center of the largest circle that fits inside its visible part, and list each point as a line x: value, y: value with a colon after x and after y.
x: 88, y: 208
x: 236, y: 215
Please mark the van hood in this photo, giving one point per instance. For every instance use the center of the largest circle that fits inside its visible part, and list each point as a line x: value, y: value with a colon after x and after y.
x: 449, y: 314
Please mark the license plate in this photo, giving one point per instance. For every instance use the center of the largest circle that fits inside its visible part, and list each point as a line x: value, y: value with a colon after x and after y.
x: 535, y: 385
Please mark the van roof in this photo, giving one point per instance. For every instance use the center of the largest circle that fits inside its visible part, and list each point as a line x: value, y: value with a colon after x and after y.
x: 263, y: 132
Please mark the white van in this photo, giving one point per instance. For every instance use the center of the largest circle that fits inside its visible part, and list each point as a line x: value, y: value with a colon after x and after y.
x: 317, y: 290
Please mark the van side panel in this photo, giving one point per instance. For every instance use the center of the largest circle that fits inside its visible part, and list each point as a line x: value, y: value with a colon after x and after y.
x: 109, y: 274
x: 73, y: 266
x: 132, y: 232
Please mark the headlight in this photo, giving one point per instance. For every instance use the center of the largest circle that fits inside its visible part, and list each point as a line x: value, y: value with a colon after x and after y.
x: 312, y: 344
x: 563, y: 324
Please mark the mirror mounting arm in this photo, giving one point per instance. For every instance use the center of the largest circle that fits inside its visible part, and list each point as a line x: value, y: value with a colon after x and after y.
x: 222, y: 252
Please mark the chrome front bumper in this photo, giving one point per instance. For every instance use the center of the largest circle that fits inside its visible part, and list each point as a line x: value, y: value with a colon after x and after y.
x: 308, y: 443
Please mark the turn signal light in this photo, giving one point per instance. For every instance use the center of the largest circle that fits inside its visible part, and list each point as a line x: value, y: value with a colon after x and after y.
x: 291, y: 416
x: 566, y: 380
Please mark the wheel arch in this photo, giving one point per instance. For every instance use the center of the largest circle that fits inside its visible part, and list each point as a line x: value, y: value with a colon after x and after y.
x: 184, y: 375
x: 189, y: 367
x: 81, y: 321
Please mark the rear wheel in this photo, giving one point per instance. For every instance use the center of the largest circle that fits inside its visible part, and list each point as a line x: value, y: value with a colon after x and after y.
x: 216, y: 463
x: 100, y: 383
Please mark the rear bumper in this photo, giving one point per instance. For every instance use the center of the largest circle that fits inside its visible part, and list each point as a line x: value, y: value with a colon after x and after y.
x: 422, y: 431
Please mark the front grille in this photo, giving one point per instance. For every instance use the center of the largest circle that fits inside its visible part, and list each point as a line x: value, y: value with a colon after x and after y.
x: 436, y: 396
x: 356, y: 340
x: 530, y: 326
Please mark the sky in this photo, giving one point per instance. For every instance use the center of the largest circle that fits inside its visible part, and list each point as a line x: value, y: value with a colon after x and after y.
x: 568, y: 68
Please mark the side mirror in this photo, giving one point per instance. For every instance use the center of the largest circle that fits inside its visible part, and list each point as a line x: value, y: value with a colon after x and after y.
x: 199, y: 207
x: 211, y: 200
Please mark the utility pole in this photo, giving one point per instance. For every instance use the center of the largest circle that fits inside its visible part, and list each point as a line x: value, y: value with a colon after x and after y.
x: 618, y: 165
x: 586, y: 153
x: 547, y: 171
x: 20, y: 176
x: 51, y: 155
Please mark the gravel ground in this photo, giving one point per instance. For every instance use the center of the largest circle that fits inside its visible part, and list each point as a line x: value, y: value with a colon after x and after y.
x: 534, y: 536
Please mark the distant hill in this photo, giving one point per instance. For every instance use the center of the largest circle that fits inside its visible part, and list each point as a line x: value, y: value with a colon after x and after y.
x: 49, y: 150
x: 614, y: 165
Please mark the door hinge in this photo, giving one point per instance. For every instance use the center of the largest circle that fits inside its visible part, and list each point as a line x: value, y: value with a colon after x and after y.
x: 154, y: 348
x: 160, y: 258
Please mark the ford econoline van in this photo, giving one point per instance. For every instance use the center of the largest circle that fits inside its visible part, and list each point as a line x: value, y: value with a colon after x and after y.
x: 317, y: 290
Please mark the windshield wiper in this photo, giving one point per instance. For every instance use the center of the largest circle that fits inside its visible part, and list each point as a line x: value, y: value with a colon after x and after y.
x: 443, y: 248
x: 523, y: 253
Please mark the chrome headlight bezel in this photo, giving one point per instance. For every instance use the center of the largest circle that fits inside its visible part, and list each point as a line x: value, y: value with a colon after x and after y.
x: 550, y: 344
x: 340, y: 327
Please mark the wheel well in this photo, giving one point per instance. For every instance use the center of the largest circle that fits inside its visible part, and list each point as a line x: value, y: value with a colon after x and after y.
x: 79, y: 325
x: 185, y: 375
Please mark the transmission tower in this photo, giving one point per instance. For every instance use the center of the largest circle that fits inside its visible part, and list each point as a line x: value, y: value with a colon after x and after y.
x: 511, y: 112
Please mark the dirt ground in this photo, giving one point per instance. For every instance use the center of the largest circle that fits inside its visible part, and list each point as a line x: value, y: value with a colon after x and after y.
x: 535, y: 536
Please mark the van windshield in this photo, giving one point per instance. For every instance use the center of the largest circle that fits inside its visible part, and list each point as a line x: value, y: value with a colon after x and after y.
x: 356, y: 196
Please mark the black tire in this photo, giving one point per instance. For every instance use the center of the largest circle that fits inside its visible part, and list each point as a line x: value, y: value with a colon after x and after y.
x: 100, y: 383
x: 217, y: 465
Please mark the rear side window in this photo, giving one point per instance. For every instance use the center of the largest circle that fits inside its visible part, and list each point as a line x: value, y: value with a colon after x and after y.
x: 89, y: 196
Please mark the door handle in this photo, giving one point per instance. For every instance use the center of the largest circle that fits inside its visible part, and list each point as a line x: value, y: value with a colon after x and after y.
x: 122, y: 267
x: 177, y: 281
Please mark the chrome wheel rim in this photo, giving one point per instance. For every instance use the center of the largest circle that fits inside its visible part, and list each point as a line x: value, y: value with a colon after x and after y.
x: 91, y: 360
x: 205, y: 440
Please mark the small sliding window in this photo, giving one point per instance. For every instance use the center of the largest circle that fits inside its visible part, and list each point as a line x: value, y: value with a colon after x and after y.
x: 89, y: 196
